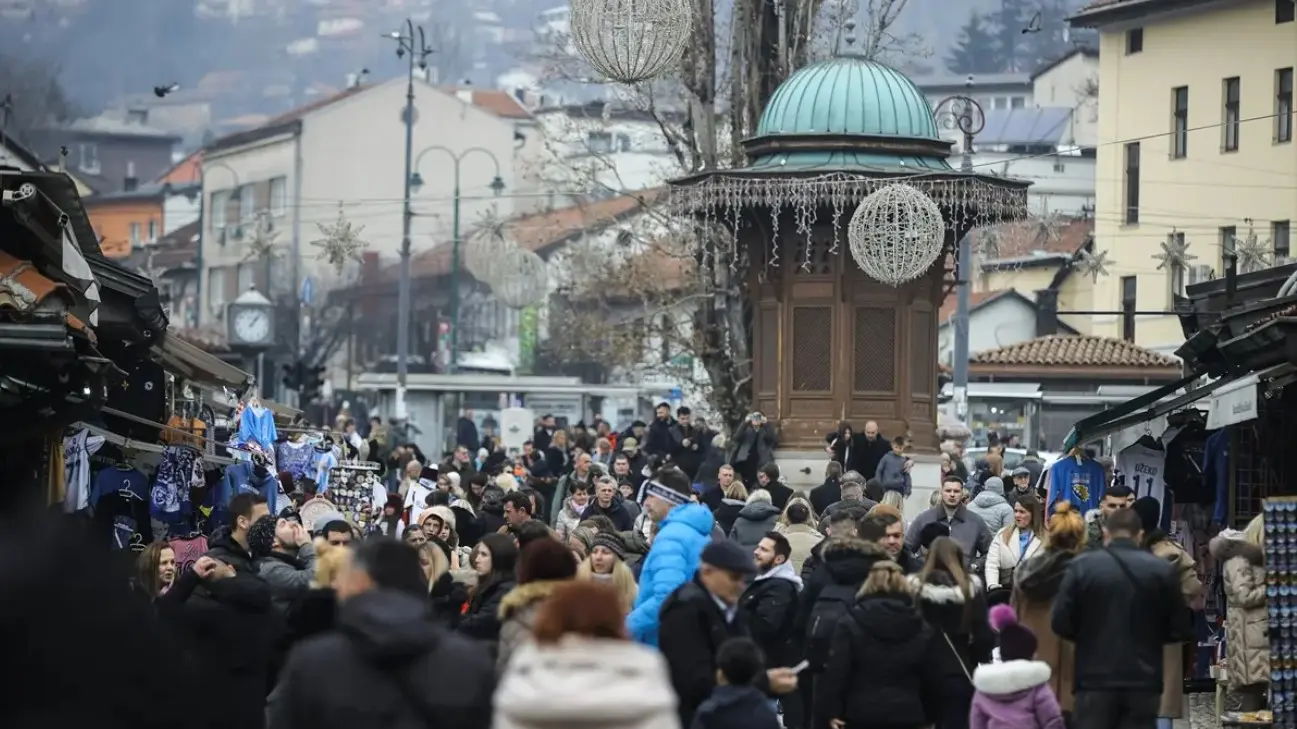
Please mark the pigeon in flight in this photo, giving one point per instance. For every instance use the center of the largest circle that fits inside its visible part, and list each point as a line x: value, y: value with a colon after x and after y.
x: 162, y: 91
x: 1034, y: 25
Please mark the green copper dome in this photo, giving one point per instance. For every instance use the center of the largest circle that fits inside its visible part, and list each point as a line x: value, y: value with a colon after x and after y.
x: 848, y: 95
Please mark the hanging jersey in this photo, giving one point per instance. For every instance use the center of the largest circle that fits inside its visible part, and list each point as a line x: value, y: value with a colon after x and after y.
x: 1143, y: 469
x: 1082, y: 483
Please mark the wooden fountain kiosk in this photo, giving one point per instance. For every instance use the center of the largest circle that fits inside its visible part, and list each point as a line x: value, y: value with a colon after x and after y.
x: 830, y: 343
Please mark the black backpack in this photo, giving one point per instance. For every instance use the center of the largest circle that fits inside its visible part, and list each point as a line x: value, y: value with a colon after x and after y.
x: 832, y: 604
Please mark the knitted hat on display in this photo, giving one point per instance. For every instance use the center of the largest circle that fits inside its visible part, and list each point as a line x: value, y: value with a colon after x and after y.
x: 612, y: 542
x: 1017, y: 642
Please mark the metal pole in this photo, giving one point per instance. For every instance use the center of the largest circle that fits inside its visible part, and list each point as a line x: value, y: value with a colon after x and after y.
x: 403, y: 288
x: 964, y: 274
x: 296, y: 248
x: 454, y: 275
x: 198, y: 257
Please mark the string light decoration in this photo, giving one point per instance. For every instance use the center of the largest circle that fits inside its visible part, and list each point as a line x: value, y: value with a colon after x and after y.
x: 520, y: 279
x: 1175, y: 253
x: 630, y: 41
x: 1093, y: 264
x: 728, y: 198
x: 1252, y: 252
x: 896, y: 234
x: 341, y: 242
x: 262, y: 244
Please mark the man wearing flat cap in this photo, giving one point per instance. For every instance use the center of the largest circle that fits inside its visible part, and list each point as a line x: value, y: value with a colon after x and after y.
x: 702, y: 614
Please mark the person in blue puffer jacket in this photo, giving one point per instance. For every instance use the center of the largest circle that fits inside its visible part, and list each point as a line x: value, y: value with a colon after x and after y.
x: 683, y: 529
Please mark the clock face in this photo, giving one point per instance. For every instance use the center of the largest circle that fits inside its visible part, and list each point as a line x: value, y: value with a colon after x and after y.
x: 252, y: 325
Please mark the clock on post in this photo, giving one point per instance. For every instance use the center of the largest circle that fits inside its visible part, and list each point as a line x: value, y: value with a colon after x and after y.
x: 250, y: 320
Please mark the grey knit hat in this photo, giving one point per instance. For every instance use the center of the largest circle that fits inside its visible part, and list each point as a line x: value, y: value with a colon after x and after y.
x: 612, y: 542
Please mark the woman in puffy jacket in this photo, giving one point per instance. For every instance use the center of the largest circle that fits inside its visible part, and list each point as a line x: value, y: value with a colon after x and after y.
x: 1015, y: 543
x: 1247, y: 647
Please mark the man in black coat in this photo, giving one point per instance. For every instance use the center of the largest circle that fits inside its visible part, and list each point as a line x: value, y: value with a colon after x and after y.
x: 693, y: 626
x: 387, y: 664
x: 769, y: 606
x: 694, y: 443
x: 663, y: 439
x: 870, y: 450
x: 226, y: 621
x: 769, y: 478
x: 830, y: 492
x: 1120, y: 605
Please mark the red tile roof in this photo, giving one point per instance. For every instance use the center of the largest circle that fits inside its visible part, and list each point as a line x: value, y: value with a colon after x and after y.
x: 541, y: 231
x: 1076, y: 351
x: 500, y: 103
x: 975, y: 299
x: 28, y: 290
x: 184, y: 172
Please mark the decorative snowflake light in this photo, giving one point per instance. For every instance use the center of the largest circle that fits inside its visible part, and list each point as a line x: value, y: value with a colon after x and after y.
x: 262, y: 244
x: 1094, y: 264
x: 1175, y: 253
x: 341, y: 242
x: 1047, y: 226
x: 1253, y: 253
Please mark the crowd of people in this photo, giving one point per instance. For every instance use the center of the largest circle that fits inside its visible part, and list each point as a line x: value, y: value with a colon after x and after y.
x: 628, y: 588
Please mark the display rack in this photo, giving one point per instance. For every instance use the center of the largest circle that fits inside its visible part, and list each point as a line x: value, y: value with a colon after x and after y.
x: 351, y: 487
x: 1281, y: 606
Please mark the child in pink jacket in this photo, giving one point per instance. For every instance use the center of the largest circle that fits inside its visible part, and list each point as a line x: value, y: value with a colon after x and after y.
x: 1015, y: 693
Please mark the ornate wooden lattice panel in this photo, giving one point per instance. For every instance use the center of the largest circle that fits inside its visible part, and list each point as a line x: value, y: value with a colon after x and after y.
x: 812, y: 258
x: 874, y: 349
x: 812, y: 369
x: 768, y: 352
x: 923, y: 376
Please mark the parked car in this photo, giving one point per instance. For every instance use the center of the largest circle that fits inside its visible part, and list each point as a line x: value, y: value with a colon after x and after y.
x: 1012, y: 458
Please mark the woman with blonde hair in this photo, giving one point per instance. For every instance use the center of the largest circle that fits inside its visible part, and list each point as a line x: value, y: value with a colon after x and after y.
x: 1015, y: 543
x: 1035, y: 585
x: 881, y: 669
x: 797, y: 524
x: 953, y: 603
x: 607, y: 564
x: 447, y: 595
x: 734, y: 498
x: 1247, y: 647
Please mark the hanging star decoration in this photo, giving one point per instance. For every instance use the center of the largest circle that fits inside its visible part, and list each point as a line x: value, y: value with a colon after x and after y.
x: 988, y: 244
x: 1253, y: 253
x: 1047, y: 227
x: 261, y: 245
x: 1175, y: 253
x: 341, y: 242
x: 1094, y: 264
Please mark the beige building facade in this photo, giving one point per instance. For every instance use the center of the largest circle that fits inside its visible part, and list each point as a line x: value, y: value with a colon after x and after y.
x: 1195, y: 143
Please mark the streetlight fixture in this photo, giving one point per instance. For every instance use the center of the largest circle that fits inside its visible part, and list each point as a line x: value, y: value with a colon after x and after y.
x: 413, y: 42
x: 414, y: 182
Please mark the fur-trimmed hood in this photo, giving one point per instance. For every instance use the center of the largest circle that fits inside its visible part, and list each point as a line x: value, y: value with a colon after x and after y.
x: 525, y: 596
x: 939, y: 593
x: 849, y: 559
x: 1226, y: 546
x: 1009, y: 679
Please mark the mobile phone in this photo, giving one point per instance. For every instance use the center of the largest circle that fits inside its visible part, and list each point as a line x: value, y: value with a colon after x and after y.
x: 800, y: 667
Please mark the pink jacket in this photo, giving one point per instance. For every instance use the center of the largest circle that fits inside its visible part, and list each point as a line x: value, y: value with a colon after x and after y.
x: 1014, y: 695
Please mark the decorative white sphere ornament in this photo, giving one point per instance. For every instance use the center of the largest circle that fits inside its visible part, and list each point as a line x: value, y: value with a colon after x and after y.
x: 483, y: 253
x: 896, y: 234
x: 630, y: 41
x: 519, y: 279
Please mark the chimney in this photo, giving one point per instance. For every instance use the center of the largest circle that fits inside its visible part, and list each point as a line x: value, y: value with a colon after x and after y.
x: 137, y: 116
x: 465, y: 95
x: 1046, y: 312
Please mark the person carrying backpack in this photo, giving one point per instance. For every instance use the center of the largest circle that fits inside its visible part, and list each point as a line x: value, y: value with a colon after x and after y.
x: 827, y: 597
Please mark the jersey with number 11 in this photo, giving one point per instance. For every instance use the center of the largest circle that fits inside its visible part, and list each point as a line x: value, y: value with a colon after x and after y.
x: 1143, y: 469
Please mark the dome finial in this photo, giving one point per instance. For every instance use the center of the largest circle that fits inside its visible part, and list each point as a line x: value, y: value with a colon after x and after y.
x: 850, y: 35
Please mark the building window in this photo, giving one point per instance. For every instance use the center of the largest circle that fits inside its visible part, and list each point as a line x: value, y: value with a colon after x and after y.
x: 623, y: 142
x: 1128, y: 308
x: 1283, y: 105
x: 278, y: 195
x: 1132, y: 183
x: 1000, y: 102
x: 247, y: 202
x: 1059, y: 167
x: 1017, y: 102
x: 88, y: 158
x: 1284, y: 10
x: 599, y: 142
x: 1281, y: 236
x: 1176, y: 273
x: 135, y: 235
x: 153, y: 230
x: 216, y: 290
x: 1180, y: 122
x: 1230, y: 121
x: 1134, y: 40
x: 220, y: 203
x: 1227, y: 235
x: 247, y: 276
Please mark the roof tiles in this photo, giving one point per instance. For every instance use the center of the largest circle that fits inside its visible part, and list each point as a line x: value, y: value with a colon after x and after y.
x: 1075, y: 351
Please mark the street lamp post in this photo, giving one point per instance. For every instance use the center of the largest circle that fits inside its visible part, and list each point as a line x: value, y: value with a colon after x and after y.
x: 415, y: 182
x: 202, y: 226
x: 409, y: 41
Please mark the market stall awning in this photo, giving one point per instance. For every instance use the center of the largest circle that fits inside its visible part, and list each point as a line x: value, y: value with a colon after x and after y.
x: 1234, y: 403
x: 1153, y: 404
x: 198, y: 366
